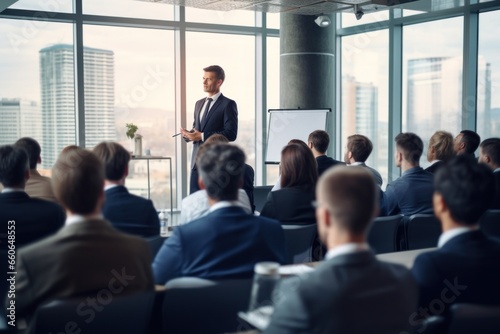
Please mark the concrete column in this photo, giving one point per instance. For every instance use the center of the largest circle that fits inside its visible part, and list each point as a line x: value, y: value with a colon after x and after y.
x: 306, y: 63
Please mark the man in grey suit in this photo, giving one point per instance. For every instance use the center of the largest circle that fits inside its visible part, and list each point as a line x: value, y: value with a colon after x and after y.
x: 351, y: 291
x: 87, y: 256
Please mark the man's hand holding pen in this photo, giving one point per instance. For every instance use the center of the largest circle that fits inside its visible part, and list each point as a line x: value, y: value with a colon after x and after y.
x: 192, y: 135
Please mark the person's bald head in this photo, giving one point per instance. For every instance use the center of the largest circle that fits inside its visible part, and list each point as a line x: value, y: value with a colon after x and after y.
x: 347, y: 200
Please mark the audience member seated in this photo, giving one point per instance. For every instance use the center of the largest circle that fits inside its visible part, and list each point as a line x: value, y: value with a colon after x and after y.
x: 34, y: 218
x: 87, y: 256
x: 37, y: 186
x: 127, y: 212
x: 466, y: 267
x: 489, y: 154
x: 466, y: 142
x: 227, y: 242
x: 292, y: 204
x: 440, y: 150
x: 412, y: 192
x: 358, y: 149
x: 351, y: 291
x: 318, y: 142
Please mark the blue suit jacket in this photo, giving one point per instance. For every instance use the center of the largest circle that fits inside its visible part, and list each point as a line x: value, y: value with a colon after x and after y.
x: 226, y: 243
x: 465, y: 270
x: 411, y: 193
x: 130, y: 213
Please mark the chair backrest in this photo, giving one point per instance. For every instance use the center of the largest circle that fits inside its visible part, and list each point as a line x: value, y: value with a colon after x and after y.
x: 421, y: 231
x: 139, y: 230
x: 299, y: 240
x: 474, y: 318
x: 490, y: 223
x: 382, y: 236
x: 155, y: 244
x: 110, y: 314
x: 209, y: 309
x: 260, y: 196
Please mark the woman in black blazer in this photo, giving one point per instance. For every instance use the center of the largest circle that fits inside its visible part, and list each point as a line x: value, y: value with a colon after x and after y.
x: 292, y: 204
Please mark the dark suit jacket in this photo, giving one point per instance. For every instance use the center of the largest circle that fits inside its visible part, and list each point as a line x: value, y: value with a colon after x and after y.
x: 291, y: 205
x: 465, y: 270
x: 435, y: 166
x: 226, y: 243
x: 376, y: 174
x: 130, y: 213
x: 411, y: 193
x: 496, y: 201
x: 325, y: 162
x: 35, y: 218
x: 351, y: 293
x: 81, y: 259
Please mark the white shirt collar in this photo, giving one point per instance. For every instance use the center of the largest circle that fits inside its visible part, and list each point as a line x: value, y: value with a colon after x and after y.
x: 356, y: 163
x: 448, y: 235
x: 496, y: 170
x: 214, y: 98
x: 12, y: 190
x: 74, y: 219
x: 433, y: 162
x: 222, y: 204
x: 110, y: 186
x: 352, y: 247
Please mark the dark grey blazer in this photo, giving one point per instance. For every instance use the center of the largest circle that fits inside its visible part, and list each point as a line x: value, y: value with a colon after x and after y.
x: 351, y: 293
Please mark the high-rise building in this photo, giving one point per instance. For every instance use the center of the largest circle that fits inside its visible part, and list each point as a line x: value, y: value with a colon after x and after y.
x: 20, y: 118
x: 58, y: 98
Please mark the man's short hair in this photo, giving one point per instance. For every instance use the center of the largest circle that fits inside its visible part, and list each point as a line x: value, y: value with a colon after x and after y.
x: 351, y: 196
x: 115, y: 159
x: 216, y: 138
x: 78, y: 180
x: 360, y: 146
x: 467, y: 188
x: 411, y: 145
x: 320, y: 140
x: 221, y: 168
x: 442, y: 142
x: 471, y: 141
x: 14, y: 163
x: 219, y: 72
x: 491, y: 148
x: 31, y: 147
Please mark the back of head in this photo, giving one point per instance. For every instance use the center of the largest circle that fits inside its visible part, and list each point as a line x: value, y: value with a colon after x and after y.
x: 33, y: 149
x: 360, y: 146
x: 219, y: 71
x: 491, y: 148
x: 467, y: 188
x: 216, y: 138
x: 411, y: 145
x: 78, y: 180
x: 351, y: 196
x: 320, y: 140
x: 298, y: 166
x: 115, y: 159
x: 221, y: 169
x: 13, y: 166
x: 471, y: 141
x: 442, y: 142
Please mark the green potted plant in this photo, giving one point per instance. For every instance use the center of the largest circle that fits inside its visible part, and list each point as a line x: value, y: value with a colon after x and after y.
x: 131, y: 130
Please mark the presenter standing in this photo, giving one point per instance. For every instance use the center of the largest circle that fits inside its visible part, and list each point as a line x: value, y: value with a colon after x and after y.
x: 212, y: 114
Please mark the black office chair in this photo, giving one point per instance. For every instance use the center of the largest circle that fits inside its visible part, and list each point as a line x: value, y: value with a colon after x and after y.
x: 209, y: 309
x: 155, y: 244
x: 113, y: 314
x: 260, y: 196
x: 299, y: 241
x: 490, y: 223
x: 474, y: 318
x: 137, y: 229
x: 421, y: 231
x: 382, y: 236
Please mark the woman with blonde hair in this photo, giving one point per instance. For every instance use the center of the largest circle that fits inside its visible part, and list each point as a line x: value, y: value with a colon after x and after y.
x: 440, y: 150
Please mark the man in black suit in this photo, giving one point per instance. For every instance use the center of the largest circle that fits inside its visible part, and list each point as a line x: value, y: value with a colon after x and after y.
x: 318, y: 142
x: 213, y: 114
x: 466, y: 142
x: 34, y: 218
x: 351, y: 291
x: 489, y: 154
x: 465, y: 268
x: 127, y: 212
x: 358, y: 149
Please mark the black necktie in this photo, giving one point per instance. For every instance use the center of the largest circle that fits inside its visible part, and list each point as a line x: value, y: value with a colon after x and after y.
x: 209, y: 101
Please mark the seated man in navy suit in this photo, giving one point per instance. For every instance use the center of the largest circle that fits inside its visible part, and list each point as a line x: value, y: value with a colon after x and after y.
x: 127, y: 212
x: 489, y: 154
x: 412, y: 192
x: 466, y: 142
x: 227, y: 242
x: 318, y: 142
x: 466, y: 267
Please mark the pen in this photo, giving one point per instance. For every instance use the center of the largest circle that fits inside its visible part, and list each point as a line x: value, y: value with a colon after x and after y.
x: 177, y: 134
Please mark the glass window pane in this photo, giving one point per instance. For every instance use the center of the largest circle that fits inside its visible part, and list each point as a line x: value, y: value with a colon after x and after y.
x: 128, y: 79
x: 273, y: 20
x: 129, y: 8
x: 432, y: 79
x: 365, y: 95
x: 273, y: 93
x: 232, y: 17
x: 488, y: 104
x: 37, y: 85
x: 62, y: 6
